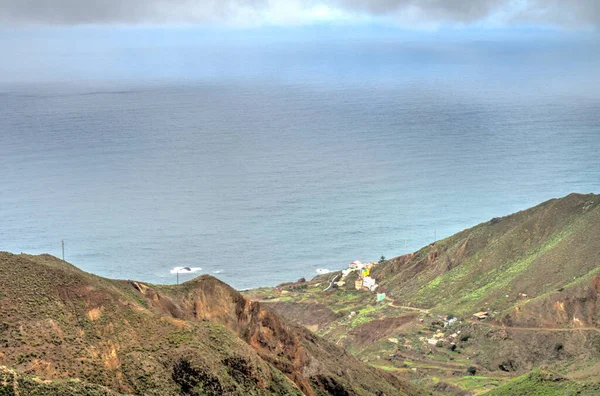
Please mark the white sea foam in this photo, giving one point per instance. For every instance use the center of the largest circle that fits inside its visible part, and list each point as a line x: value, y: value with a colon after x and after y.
x: 217, y: 271
x: 185, y: 270
x: 322, y: 271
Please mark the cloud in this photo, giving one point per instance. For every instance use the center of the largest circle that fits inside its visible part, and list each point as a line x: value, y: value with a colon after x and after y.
x: 122, y: 11
x: 405, y: 13
x: 451, y: 10
x: 571, y: 13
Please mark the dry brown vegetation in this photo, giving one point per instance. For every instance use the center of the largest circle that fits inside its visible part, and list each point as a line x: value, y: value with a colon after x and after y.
x: 58, y: 323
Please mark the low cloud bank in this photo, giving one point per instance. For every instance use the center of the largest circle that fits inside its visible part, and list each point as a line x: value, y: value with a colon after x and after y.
x: 405, y: 13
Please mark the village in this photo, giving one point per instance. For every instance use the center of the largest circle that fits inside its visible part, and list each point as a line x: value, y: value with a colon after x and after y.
x: 357, y: 299
x: 366, y: 283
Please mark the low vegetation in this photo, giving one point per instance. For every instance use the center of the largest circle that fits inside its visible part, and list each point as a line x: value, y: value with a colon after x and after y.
x: 541, y: 383
x: 532, y: 278
x: 67, y: 332
x: 534, y: 274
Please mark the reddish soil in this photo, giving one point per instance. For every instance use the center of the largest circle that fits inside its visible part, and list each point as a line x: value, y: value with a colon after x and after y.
x: 304, y: 314
x: 368, y: 333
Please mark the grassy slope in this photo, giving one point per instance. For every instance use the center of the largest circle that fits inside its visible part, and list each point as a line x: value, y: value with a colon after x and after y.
x: 60, y: 323
x: 549, y: 252
x: 534, y: 252
x: 540, y: 383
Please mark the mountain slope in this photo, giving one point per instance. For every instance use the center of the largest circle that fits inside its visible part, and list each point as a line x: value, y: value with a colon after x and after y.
x: 202, y: 337
x: 536, y: 273
x: 540, y: 383
x: 533, y: 252
x: 14, y: 383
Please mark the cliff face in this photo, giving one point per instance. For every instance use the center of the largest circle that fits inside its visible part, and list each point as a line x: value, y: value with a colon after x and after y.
x: 199, y: 338
x: 313, y: 364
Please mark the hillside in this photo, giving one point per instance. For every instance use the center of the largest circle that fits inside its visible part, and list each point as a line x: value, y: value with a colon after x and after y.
x: 536, y: 274
x: 541, y: 383
x: 64, y: 331
x: 535, y: 252
x: 14, y: 383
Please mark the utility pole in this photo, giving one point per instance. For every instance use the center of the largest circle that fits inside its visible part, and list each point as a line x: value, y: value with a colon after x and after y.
x: 63, y: 249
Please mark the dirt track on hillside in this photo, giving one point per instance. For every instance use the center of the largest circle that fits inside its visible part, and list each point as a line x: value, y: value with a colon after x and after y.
x: 536, y: 329
x: 392, y: 304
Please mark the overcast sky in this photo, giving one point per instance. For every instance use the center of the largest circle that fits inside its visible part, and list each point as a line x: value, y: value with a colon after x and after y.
x: 419, y: 14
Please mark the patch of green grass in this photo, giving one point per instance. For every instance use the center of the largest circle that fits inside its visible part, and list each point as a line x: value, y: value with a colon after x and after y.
x: 476, y: 382
x: 540, y: 383
x: 493, y: 281
x: 365, y: 315
x: 456, y: 275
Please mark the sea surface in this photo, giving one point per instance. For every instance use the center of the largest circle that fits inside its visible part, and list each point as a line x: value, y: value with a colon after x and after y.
x: 263, y: 168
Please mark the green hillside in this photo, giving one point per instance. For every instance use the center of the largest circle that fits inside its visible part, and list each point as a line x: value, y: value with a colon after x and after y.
x: 540, y: 383
x: 534, y: 252
x: 535, y: 274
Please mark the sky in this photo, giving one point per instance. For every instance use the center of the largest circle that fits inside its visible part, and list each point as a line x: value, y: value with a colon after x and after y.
x: 407, y: 14
x: 63, y: 40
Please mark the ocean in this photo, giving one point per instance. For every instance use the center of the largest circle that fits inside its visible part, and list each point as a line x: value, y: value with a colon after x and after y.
x: 263, y: 168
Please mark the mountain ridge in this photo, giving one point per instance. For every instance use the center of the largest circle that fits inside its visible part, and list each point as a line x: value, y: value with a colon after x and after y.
x: 201, y: 337
x: 535, y: 273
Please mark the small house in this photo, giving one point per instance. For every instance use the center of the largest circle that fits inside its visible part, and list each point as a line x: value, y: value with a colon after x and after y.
x: 356, y: 265
x: 369, y: 283
x: 358, y: 284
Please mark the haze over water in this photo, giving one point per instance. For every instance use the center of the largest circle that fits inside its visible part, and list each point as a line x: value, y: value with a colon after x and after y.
x: 265, y: 163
